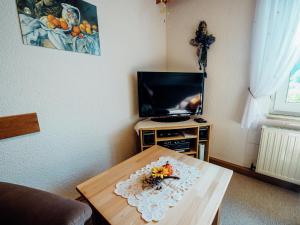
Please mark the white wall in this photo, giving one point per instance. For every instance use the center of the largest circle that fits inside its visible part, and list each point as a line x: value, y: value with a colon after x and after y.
x: 228, y: 65
x: 86, y: 105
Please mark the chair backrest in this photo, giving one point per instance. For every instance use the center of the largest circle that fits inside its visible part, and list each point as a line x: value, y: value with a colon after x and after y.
x: 20, y: 205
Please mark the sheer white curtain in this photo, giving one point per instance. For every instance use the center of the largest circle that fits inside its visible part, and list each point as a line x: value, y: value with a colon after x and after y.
x: 274, y: 52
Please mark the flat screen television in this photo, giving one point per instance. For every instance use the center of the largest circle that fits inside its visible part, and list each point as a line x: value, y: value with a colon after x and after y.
x: 168, y: 94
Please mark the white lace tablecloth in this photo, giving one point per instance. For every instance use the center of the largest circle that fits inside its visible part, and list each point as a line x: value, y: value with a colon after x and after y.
x: 151, y: 203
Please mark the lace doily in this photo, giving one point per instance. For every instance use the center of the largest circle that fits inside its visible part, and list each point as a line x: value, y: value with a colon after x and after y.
x: 152, y: 203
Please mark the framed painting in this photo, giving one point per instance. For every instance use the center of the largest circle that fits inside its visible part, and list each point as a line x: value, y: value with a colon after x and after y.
x: 70, y: 25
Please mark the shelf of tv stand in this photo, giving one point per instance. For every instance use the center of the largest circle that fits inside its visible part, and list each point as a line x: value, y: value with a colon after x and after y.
x: 190, y: 131
x: 190, y: 153
x: 147, y: 146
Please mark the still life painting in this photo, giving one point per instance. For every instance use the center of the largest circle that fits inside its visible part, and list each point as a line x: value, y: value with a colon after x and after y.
x: 70, y: 25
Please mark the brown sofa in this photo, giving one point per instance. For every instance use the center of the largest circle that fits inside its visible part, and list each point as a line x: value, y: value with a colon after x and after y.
x: 21, y: 205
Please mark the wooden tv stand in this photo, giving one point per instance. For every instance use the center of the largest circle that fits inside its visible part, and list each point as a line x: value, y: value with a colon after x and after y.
x: 164, y: 134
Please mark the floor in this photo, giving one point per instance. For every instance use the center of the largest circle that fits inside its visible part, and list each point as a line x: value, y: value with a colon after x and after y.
x: 252, y: 202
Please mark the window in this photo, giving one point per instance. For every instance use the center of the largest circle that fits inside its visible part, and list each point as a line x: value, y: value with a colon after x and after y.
x: 293, y: 93
x: 287, y: 100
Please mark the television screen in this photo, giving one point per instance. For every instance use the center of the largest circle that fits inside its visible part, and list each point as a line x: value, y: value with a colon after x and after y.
x: 170, y: 93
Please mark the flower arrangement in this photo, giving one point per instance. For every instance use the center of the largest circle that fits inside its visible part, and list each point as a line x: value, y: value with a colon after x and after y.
x: 158, y: 174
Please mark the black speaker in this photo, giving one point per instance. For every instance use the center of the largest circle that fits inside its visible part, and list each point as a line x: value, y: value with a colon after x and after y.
x: 203, y: 133
x: 148, y: 137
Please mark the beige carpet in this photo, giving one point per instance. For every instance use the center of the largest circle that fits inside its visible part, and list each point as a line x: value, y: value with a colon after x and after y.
x: 252, y: 202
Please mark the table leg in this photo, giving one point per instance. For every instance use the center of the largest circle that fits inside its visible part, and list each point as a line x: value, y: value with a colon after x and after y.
x: 217, y: 218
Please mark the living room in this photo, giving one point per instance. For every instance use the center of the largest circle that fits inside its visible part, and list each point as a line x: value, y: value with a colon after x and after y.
x: 87, y: 105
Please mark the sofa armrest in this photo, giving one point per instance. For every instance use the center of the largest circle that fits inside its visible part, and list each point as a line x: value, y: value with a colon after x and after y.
x: 21, y: 205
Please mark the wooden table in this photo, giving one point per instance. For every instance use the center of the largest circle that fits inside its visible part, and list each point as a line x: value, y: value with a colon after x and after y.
x: 199, y: 205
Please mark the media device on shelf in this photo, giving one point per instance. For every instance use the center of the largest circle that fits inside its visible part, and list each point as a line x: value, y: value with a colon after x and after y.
x: 170, y: 96
x: 200, y: 120
x: 177, y: 145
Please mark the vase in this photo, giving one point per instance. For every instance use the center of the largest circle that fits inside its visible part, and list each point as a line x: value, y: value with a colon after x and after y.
x: 71, y: 14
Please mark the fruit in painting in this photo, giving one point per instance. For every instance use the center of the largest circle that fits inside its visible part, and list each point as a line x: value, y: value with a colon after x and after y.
x: 80, y: 35
x: 94, y: 27
x: 82, y: 27
x: 74, y: 34
x: 89, y: 30
x: 64, y: 25
x: 86, y: 27
x: 56, y: 22
x: 50, y: 25
x: 50, y: 17
x: 76, y: 29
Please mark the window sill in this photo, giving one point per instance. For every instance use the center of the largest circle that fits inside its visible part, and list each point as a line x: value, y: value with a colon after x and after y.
x: 283, y: 117
x: 290, y: 122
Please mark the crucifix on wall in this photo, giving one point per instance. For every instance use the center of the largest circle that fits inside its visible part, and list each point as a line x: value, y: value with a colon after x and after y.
x: 202, y: 41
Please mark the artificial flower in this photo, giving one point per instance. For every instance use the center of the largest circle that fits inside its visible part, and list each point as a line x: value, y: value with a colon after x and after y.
x: 159, y: 172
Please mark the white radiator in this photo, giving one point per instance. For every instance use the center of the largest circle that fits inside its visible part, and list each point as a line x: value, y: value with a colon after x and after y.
x: 279, y: 154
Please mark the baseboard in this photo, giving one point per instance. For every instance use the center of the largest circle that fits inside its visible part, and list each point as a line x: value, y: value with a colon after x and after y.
x: 250, y: 173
